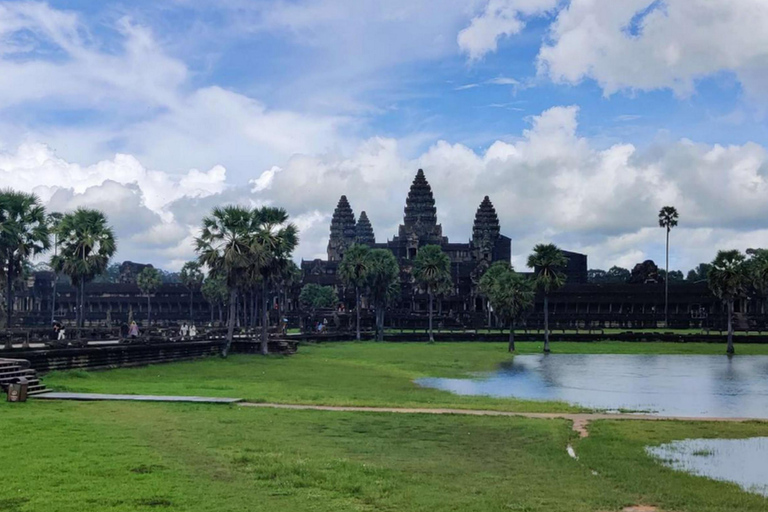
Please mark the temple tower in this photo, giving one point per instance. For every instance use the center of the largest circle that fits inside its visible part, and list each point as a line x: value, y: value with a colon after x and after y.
x: 343, y: 230
x: 364, y: 230
x: 485, y: 231
x: 420, y: 225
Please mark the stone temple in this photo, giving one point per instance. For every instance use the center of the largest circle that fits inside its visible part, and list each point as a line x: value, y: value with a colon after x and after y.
x: 420, y: 227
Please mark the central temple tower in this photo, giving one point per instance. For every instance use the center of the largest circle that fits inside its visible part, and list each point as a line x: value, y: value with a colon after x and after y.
x: 420, y: 225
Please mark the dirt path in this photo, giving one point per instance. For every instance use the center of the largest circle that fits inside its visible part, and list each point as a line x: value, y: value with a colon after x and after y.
x: 580, y: 420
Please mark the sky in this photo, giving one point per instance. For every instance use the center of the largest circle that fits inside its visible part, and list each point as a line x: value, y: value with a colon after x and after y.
x: 579, y: 118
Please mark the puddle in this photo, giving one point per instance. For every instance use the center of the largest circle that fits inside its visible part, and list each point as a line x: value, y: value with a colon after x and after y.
x: 741, y: 461
x: 674, y: 385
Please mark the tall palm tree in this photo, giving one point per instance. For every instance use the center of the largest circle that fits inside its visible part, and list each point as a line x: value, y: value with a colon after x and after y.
x: 149, y: 280
x: 547, y: 262
x: 353, y: 271
x: 274, y: 240
x: 192, y: 277
x: 432, y: 270
x: 667, y: 219
x: 54, y: 219
x: 383, y: 284
x: 87, y: 243
x: 23, y: 234
x: 727, y: 280
x: 225, y: 247
x: 510, y: 294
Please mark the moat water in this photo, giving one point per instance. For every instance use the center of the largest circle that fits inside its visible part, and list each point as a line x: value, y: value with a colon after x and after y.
x: 674, y: 385
x: 741, y: 461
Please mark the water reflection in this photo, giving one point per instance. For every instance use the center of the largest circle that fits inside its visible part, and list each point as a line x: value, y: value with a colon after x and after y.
x: 679, y: 385
x: 741, y: 461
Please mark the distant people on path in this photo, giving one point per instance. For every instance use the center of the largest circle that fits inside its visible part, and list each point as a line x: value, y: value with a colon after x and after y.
x: 55, y: 331
x: 184, y: 331
x: 133, y: 331
x: 192, y: 331
x: 124, y: 330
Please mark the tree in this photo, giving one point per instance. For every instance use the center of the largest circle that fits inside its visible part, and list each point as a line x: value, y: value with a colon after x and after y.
x: 214, y: 289
x: 314, y: 296
x: 274, y: 240
x: 667, y: 219
x: 23, y: 234
x: 432, y: 270
x: 225, y: 246
x: 383, y: 285
x: 547, y: 262
x: 700, y: 273
x: 596, y: 275
x: 54, y: 219
x: 353, y: 271
x: 728, y: 280
x: 149, y: 280
x: 191, y: 276
x: 618, y: 275
x: 509, y: 293
x: 87, y: 243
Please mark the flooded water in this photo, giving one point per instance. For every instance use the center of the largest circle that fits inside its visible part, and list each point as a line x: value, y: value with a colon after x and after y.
x: 741, y: 461
x: 675, y: 385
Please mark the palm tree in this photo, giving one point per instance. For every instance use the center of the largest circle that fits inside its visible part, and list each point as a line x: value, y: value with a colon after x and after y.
x: 667, y: 219
x: 54, y: 219
x: 225, y: 247
x: 214, y: 289
x: 274, y: 240
x: 547, y: 261
x: 488, y: 281
x: 149, y: 280
x: 432, y: 270
x: 383, y: 284
x: 727, y: 280
x: 23, y: 234
x: 192, y: 277
x: 510, y: 294
x: 87, y: 243
x: 353, y: 271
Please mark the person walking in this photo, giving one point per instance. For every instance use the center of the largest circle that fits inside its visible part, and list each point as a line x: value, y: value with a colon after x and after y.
x: 133, y: 332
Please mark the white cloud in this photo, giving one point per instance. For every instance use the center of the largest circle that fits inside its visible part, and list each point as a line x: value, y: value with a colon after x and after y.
x: 499, y: 18
x: 646, y: 45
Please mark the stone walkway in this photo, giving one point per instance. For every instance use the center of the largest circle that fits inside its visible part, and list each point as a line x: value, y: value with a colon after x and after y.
x: 137, y: 398
x: 580, y: 420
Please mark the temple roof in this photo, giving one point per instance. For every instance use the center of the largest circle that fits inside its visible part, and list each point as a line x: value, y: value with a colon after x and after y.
x: 420, y: 211
x: 486, y: 228
x: 364, y: 230
x: 343, y: 230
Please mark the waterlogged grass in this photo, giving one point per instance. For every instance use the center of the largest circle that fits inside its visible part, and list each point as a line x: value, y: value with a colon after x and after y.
x: 116, y: 456
x: 372, y: 374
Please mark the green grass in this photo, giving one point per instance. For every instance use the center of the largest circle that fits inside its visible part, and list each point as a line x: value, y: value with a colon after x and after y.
x: 372, y: 374
x: 113, y: 457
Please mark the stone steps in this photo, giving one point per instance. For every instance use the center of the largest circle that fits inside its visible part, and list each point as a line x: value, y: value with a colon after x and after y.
x: 11, y: 370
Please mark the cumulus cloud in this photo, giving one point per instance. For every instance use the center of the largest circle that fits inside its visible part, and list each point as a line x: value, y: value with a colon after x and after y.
x: 499, y: 18
x: 654, y: 44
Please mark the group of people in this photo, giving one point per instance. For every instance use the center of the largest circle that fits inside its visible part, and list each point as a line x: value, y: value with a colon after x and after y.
x: 129, y: 331
x: 189, y: 331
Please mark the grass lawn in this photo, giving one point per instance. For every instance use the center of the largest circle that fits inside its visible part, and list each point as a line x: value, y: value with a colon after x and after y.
x: 374, y: 374
x: 112, y: 456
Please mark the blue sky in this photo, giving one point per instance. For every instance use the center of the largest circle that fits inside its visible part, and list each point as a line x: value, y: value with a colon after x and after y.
x: 580, y: 119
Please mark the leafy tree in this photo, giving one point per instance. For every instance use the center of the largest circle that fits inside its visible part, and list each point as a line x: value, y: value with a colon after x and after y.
x: 727, y: 280
x: 110, y: 275
x: 596, y: 275
x: 23, y: 234
x: 353, y: 271
x: 54, y: 219
x: 149, y: 281
x: 432, y: 270
x: 675, y: 276
x: 87, y: 244
x: 618, y: 274
x: 383, y: 285
x: 214, y: 289
x: 510, y: 294
x: 313, y: 296
x: 226, y: 247
x: 700, y: 273
x: 191, y: 276
x: 547, y: 262
x: 667, y: 219
x: 274, y: 240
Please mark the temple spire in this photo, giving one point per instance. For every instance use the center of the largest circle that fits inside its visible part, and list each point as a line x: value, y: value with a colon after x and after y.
x: 364, y: 230
x: 485, y: 231
x: 343, y: 230
x: 420, y: 212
